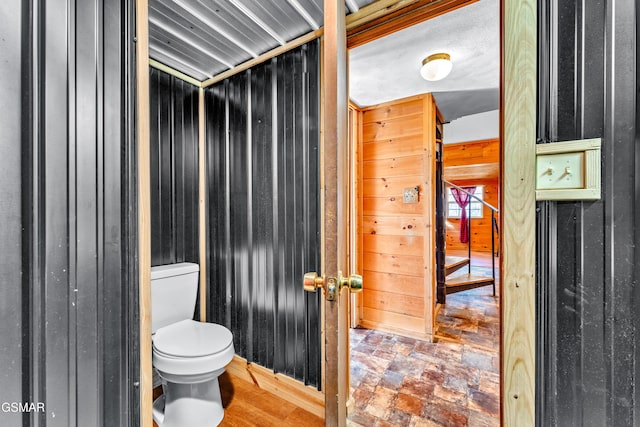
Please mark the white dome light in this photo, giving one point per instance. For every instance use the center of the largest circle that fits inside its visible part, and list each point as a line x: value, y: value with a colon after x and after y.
x: 436, y: 67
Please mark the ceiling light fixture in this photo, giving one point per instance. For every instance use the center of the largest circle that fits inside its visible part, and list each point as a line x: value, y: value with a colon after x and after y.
x: 436, y: 67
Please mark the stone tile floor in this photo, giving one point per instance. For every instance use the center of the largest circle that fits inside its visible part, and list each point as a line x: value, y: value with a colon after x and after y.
x: 471, y: 317
x: 401, y: 381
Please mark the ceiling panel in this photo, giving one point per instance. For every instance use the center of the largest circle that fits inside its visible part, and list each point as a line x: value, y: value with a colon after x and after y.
x: 200, y: 61
x: 284, y: 20
x: 202, y: 38
x: 315, y: 7
x: 177, y: 25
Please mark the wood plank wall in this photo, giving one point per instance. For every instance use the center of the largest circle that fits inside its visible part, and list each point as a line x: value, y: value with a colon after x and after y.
x: 396, y: 270
x: 474, y: 163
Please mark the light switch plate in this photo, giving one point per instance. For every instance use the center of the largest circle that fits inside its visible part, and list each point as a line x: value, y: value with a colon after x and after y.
x: 568, y: 170
x: 564, y: 170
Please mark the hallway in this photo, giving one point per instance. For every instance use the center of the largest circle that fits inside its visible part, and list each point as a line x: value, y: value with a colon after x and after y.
x: 401, y: 381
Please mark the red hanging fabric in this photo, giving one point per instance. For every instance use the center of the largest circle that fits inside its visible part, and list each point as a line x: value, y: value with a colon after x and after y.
x: 463, y: 199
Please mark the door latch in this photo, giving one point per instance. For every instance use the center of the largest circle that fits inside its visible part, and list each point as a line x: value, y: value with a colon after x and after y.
x: 332, y: 285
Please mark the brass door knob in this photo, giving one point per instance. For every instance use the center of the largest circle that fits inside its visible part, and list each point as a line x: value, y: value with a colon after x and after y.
x: 353, y: 282
x: 332, y: 285
x: 312, y: 281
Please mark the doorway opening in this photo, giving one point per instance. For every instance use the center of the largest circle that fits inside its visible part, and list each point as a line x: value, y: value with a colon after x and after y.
x: 418, y: 355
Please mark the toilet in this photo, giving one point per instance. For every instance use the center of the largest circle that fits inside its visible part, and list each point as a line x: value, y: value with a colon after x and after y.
x: 187, y: 355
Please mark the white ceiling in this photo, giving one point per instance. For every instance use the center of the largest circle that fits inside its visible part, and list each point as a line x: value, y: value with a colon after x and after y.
x: 388, y: 68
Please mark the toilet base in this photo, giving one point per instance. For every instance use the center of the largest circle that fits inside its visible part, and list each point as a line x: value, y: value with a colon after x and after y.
x: 193, y: 405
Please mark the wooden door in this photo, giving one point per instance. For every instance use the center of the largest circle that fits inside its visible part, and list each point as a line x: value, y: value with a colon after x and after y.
x: 335, y: 196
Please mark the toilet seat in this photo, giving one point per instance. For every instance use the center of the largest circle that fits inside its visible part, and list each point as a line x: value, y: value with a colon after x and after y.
x: 189, y: 338
x: 191, y: 352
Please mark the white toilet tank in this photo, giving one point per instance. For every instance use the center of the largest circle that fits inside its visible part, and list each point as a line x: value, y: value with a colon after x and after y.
x: 174, y: 288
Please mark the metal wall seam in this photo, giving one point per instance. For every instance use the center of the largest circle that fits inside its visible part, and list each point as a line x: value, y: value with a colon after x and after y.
x: 250, y: 289
x: 273, y: 66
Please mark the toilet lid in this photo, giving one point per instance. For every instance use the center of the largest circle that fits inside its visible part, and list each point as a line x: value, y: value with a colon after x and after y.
x: 189, y: 338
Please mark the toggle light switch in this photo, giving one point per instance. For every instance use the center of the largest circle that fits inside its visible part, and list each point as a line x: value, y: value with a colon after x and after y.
x: 568, y: 170
x: 571, y: 166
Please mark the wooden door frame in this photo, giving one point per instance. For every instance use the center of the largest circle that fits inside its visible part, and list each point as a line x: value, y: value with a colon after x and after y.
x: 355, y: 206
x: 334, y: 188
x: 518, y: 210
x: 518, y: 135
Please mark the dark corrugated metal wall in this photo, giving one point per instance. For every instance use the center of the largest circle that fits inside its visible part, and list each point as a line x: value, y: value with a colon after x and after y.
x: 588, y: 317
x: 174, y: 170
x: 262, y: 129
x: 12, y: 321
x: 67, y: 334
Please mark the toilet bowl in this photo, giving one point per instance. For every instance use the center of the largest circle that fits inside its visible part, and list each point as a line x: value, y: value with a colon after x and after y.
x: 187, y: 355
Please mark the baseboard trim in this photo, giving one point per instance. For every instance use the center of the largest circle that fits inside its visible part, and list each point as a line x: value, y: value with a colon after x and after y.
x: 292, y: 390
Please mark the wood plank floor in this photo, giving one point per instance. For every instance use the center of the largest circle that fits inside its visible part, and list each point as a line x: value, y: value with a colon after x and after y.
x: 246, y: 405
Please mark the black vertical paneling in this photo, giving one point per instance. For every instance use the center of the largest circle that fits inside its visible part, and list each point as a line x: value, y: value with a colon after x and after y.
x: 67, y: 185
x: 12, y: 322
x: 262, y: 129
x: 119, y: 330
x: 174, y: 170
x: 586, y: 250
x: 636, y: 259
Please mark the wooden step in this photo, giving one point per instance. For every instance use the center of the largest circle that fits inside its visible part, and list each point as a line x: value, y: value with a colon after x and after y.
x: 464, y: 282
x: 454, y: 263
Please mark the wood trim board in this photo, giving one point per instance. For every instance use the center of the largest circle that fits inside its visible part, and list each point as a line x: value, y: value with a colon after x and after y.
x: 518, y: 135
x: 202, y: 217
x: 355, y: 208
x: 294, y: 391
x: 264, y: 57
x: 377, y: 23
x: 143, y: 125
x: 429, y: 176
x: 171, y: 71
